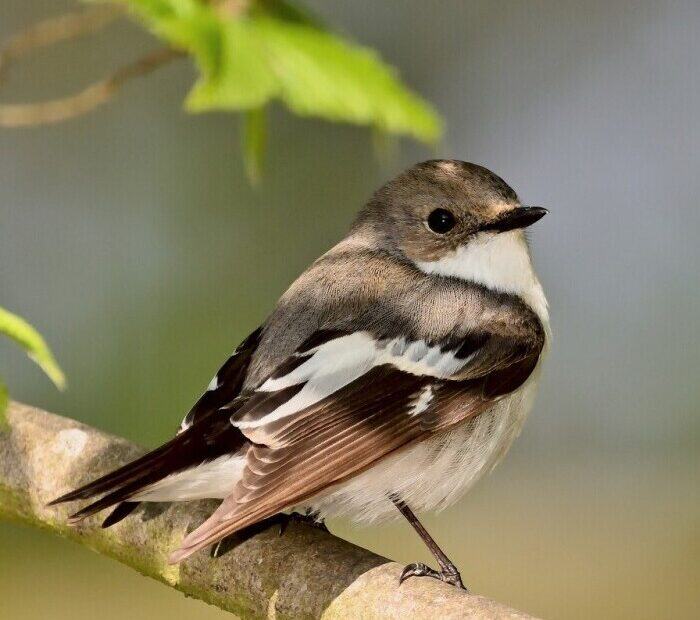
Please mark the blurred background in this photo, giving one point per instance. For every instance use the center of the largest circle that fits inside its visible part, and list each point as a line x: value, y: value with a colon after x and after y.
x: 132, y: 240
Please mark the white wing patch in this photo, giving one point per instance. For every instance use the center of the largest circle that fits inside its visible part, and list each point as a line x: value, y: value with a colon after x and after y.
x: 425, y: 396
x: 336, y: 363
x: 331, y: 366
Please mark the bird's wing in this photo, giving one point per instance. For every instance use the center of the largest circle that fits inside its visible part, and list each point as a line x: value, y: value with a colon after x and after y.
x: 226, y: 384
x: 344, y: 401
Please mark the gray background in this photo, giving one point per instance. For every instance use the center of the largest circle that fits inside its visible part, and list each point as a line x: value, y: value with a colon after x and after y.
x: 132, y: 240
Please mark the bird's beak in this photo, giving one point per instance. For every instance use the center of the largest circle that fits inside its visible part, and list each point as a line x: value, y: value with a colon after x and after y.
x: 520, y: 217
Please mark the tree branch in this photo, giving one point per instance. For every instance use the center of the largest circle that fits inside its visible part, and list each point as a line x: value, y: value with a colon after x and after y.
x: 305, y: 573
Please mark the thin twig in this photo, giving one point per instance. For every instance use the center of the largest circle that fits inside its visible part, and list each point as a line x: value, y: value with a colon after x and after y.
x: 56, y: 29
x: 57, y: 110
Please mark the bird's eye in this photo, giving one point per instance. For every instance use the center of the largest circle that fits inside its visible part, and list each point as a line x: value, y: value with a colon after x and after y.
x: 441, y: 221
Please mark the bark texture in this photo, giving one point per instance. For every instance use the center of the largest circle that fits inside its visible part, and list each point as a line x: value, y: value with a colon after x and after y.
x: 306, y: 573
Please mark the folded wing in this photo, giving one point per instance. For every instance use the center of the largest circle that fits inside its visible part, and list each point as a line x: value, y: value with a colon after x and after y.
x: 343, y: 401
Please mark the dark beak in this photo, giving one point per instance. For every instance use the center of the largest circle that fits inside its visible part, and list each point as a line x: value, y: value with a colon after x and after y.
x: 520, y: 217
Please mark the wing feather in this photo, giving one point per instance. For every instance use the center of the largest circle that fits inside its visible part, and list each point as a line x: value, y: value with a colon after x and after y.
x: 372, y: 411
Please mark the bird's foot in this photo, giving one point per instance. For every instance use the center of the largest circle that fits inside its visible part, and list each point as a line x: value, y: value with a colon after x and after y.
x: 294, y: 517
x: 448, y: 575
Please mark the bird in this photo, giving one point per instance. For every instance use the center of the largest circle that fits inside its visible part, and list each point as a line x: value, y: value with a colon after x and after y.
x: 388, y: 378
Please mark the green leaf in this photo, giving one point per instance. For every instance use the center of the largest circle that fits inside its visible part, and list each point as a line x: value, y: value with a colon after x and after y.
x: 17, y: 329
x: 254, y: 140
x: 288, y: 12
x: 235, y: 72
x: 276, y: 52
x: 321, y: 75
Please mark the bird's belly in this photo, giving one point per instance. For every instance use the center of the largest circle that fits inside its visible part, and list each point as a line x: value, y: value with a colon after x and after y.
x: 434, y: 473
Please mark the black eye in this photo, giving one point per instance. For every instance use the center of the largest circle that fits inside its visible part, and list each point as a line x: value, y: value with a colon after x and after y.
x: 441, y: 221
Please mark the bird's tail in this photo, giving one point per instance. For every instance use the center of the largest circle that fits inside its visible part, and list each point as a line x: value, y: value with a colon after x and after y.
x: 209, y: 439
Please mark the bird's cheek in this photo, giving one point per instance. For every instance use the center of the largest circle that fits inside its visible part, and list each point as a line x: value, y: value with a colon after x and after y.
x: 425, y: 248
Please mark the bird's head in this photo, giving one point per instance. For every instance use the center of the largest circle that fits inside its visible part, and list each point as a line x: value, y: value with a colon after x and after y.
x: 440, y: 206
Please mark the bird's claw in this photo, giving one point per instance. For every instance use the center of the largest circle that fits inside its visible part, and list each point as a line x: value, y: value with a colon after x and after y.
x: 217, y: 549
x: 418, y: 569
x: 308, y: 518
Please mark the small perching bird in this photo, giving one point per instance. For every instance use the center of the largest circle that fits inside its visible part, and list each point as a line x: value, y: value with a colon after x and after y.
x: 394, y: 371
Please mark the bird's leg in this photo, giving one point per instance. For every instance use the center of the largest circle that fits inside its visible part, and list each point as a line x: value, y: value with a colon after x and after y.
x: 448, y: 571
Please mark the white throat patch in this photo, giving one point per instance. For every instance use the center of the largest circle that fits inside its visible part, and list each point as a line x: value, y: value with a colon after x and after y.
x: 498, y: 261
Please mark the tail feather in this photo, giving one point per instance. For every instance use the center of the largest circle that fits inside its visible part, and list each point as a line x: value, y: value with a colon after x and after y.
x: 118, y: 496
x: 115, y: 478
x: 141, y: 479
x: 122, y: 510
x: 209, y: 439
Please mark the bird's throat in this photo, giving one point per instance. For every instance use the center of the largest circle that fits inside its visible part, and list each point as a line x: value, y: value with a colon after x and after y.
x: 500, y: 262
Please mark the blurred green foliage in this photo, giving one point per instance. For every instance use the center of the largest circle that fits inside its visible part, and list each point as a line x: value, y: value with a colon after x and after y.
x: 21, y: 332
x: 252, y: 53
